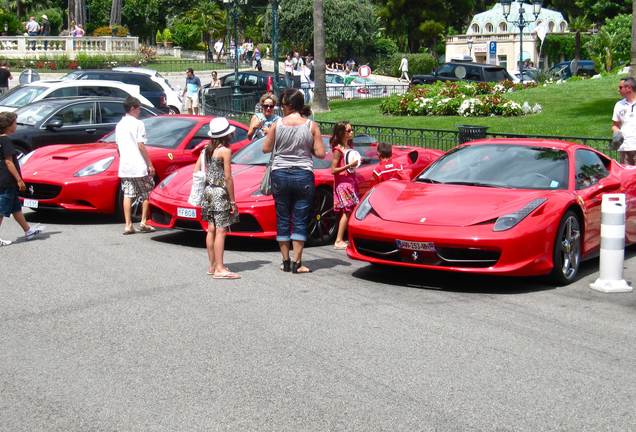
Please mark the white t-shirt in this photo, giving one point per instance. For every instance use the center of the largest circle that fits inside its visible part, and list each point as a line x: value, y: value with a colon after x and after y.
x: 218, y: 46
x: 404, y: 65
x: 128, y: 134
x: 625, y: 114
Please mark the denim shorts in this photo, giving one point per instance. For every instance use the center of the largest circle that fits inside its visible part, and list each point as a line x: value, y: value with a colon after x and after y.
x: 9, y: 202
x: 293, y: 190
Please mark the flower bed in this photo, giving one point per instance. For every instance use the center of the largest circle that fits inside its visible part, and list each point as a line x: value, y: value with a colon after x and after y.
x: 459, y: 98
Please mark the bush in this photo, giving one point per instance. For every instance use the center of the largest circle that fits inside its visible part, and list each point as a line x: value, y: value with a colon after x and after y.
x: 167, y: 35
x: 120, y: 31
x: 186, y: 35
x: 384, y: 47
x: 158, y: 37
x: 14, y: 26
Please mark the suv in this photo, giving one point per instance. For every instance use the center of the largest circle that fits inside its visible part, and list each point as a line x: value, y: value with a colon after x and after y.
x: 38, y: 90
x: 173, y: 96
x: 456, y: 71
x: 252, y: 81
x: 563, y: 70
x: 151, y: 90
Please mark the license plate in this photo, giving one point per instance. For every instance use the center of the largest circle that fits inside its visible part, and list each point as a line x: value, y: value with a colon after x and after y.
x: 416, y: 246
x: 30, y: 203
x: 187, y: 213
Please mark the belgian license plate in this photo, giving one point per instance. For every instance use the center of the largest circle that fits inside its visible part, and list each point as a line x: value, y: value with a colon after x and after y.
x: 416, y: 246
x: 30, y: 203
x: 187, y: 213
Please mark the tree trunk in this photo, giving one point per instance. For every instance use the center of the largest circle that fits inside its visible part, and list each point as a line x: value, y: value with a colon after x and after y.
x: 577, y: 53
x: 632, y: 69
x: 77, y: 11
x: 320, y: 86
x: 115, y: 13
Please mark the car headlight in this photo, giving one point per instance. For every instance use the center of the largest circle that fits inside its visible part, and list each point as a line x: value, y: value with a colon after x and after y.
x: 508, y: 221
x: 167, y: 180
x: 25, y: 158
x: 95, y: 168
x: 364, y: 208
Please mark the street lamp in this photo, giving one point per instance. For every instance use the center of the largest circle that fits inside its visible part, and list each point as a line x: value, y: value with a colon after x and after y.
x: 233, y: 8
x: 469, y: 43
x: 275, y: 44
x: 521, y: 22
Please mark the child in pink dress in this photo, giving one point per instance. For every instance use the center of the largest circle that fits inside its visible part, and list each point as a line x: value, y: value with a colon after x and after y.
x: 345, y: 185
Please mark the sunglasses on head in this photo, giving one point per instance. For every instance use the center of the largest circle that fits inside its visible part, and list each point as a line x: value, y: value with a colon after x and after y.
x: 349, y: 130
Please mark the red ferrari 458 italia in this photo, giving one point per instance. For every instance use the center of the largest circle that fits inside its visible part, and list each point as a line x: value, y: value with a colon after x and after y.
x: 169, y: 207
x: 84, y: 177
x: 517, y: 207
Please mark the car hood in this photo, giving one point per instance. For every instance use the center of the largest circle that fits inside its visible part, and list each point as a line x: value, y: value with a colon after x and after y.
x: 247, y: 179
x: 447, y: 205
x: 64, y: 160
x: 8, y: 108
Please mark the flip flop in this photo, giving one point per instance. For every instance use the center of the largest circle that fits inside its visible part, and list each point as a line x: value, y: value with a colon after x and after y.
x: 340, y: 246
x: 226, y: 275
x: 146, y: 228
x: 129, y: 232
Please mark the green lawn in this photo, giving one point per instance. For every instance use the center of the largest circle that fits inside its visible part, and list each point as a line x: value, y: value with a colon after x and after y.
x: 576, y: 108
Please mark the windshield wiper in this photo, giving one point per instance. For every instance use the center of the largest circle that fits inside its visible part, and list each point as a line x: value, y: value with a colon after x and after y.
x: 427, y: 180
x: 23, y: 124
x: 468, y: 183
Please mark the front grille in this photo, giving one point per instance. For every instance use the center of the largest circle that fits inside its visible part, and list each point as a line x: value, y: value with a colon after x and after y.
x: 442, y: 256
x: 159, y: 216
x: 40, y: 191
x: 468, y: 257
x: 188, y: 225
x: 246, y: 223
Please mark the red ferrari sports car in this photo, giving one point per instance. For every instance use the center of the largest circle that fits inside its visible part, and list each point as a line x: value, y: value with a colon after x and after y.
x: 84, y: 178
x: 518, y: 207
x: 169, y: 207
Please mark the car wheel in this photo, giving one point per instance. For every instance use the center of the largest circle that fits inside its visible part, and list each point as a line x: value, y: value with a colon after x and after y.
x: 119, y: 207
x: 322, y: 225
x: 567, y: 250
x: 173, y: 110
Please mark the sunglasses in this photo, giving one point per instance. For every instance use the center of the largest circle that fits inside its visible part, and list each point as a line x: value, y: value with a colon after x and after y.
x: 348, y: 130
x: 268, y: 106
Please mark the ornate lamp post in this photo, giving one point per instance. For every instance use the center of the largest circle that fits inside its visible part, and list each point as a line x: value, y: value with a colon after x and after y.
x: 521, y: 22
x: 469, y: 43
x: 233, y: 7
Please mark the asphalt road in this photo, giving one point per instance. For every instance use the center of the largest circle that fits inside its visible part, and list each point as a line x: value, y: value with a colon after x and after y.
x: 104, y: 332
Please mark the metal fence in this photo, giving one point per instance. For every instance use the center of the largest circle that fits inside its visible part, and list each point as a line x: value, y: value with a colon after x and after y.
x: 221, y: 101
x: 365, y: 91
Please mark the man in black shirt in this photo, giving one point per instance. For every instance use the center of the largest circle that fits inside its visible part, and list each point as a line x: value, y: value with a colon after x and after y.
x: 11, y: 179
x: 5, y: 76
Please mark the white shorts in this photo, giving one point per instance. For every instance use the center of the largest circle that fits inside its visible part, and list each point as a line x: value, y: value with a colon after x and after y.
x: 191, y: 101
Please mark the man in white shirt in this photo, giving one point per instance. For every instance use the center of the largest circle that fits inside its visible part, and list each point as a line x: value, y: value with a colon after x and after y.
x: 32, y: 28
x: 135, y: 167
x: 404, y: 69
x: 298, y: 65
x: 218, y: 48
x: 624, y: 122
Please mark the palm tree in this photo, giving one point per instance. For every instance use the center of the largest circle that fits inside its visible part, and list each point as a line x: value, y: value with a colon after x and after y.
x: 632, y: 69
x: 578, y: 24
x: 115, y: 13
x: 320, y: 85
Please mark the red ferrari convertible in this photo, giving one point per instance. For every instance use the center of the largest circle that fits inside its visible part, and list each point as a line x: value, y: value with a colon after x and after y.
x: 84, y: 178
x: 518, y: 207
x: 169, y: 207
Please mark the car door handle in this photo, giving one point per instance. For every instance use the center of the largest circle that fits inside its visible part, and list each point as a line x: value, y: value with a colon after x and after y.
x: 91, y: 130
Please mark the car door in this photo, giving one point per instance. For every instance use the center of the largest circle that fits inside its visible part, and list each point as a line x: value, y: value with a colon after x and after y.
x: 592, y: 179
x: 79, y: 125
x: 248, y: 82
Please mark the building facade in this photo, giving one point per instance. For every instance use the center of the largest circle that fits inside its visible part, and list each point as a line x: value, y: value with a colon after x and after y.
x: 492, y: 39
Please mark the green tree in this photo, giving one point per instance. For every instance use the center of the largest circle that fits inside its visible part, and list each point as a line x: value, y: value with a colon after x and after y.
x: 432, y: 31
x: 600, y: 10
x: 633, y: 44
x: 578, y: 25
x: 611, y: 46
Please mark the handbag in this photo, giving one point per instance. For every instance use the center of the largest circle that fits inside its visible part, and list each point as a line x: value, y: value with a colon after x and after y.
x: 266, y: 182
x: 198, y: 184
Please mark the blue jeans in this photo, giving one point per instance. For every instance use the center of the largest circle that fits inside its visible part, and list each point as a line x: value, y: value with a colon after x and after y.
x: 9, y: 202
x: 293, y: 191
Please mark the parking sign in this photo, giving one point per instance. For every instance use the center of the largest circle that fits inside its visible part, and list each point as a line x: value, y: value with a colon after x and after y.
x: 492, y: 52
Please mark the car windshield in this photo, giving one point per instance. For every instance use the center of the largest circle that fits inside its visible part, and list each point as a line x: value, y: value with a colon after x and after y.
x: 71, y: 75
x: 164, y: 132
x: 22, y: 96
x: 32, y: 114
x: 253, y: 154
x: 501, y: 165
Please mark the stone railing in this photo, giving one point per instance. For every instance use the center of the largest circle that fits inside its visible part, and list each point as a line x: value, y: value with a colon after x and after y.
x: 51, y: 46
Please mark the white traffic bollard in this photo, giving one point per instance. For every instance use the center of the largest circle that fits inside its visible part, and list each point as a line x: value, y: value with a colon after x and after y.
x: 612, y: 246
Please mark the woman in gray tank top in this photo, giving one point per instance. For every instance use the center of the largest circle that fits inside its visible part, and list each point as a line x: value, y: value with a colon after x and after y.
x: 294, y: 140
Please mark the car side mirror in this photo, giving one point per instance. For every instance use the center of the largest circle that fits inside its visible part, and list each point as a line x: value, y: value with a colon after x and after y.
x: 199, y: 147
x: 54, y: 124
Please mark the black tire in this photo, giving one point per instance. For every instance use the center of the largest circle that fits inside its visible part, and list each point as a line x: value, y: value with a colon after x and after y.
x: 567, y: 250
x: 173, y: 110
x: 322, y: 227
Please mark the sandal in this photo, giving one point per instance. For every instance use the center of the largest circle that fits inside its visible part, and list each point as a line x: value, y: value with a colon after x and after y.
x: 340, y: 245
x: 146, y: 228
x: 298, y: 267
x: 286, y: 265
x: 129, y: 231
x: 226, y: 275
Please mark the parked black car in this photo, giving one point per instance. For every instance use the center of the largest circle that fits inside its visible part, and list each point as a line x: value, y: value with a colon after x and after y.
x: 563, y: 70
x: 69, y: 121
x: 252, y: 81
x: 147, y: 87
x: 468, y: 71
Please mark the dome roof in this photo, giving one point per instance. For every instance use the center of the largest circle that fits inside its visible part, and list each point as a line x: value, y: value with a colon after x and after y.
x: 495, y: 18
